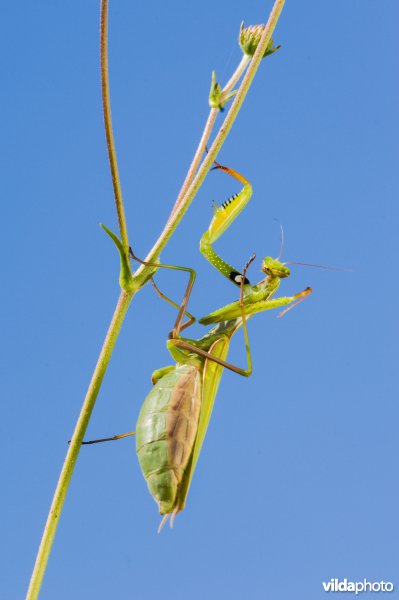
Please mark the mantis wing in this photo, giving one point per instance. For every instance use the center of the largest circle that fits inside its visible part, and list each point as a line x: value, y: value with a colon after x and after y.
x: 212, y: 373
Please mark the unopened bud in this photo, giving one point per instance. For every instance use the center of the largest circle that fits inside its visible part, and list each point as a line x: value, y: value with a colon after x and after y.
x: 249, y: 38
x: 217, y: 99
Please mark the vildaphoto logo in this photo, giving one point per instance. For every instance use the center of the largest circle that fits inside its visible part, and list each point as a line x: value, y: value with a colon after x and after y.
x: 357, y: 587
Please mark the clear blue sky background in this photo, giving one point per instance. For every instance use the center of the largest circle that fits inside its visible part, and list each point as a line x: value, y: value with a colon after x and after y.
x: 298, y: 481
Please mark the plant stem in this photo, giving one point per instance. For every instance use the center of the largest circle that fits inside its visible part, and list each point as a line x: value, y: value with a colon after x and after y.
x: 213, y: 113
x: 110, y: 340
x: 120, y: 209
x: 74, y: 447
x: 237, y: 74
x: 177, y: 215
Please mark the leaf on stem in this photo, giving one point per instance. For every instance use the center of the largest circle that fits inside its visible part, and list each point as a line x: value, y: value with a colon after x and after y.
x: 125, y: 276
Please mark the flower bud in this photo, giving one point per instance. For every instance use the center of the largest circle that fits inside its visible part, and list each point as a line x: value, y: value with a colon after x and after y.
x: 217, y: 99
x: 249, y: 38
x: 215, y: 93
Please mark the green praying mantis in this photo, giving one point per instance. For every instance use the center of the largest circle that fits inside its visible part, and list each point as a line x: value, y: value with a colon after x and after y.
x: 175, y: 415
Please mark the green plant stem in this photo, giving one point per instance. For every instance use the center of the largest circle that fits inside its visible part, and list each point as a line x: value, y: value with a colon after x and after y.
x: 74, y: 447
x: 231, y: 116
x: 213, y: 113
x: 245, y: 60
x: 120, y: 209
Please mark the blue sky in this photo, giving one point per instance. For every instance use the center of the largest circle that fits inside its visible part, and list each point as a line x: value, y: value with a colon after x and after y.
x: 298, y: 479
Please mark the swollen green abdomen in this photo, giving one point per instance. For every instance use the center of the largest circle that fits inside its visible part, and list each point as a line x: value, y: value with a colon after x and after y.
x: 166, y: 431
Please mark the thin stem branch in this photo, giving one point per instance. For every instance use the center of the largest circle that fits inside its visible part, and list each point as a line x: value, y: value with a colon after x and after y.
x: 213, y: 113
x: 120, y: 209
x: 237, y: 74
x: 176, y: 217
x: 74, y: 447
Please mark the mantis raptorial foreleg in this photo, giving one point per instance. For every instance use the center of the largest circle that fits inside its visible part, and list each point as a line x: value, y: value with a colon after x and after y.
x: 257, y: 297
x: 222, y: 219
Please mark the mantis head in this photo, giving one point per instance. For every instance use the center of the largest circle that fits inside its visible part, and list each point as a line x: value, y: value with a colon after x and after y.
x: 274, y: 268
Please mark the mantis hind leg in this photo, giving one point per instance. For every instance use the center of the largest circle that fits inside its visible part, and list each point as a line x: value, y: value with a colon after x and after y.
x: 208, y: 355
x: 156, y: 376
x: 179, y: 325
x: 109, y: 439
x: 191, y: 318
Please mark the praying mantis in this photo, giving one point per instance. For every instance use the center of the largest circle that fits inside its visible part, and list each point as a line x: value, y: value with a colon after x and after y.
x: 175, y: 415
